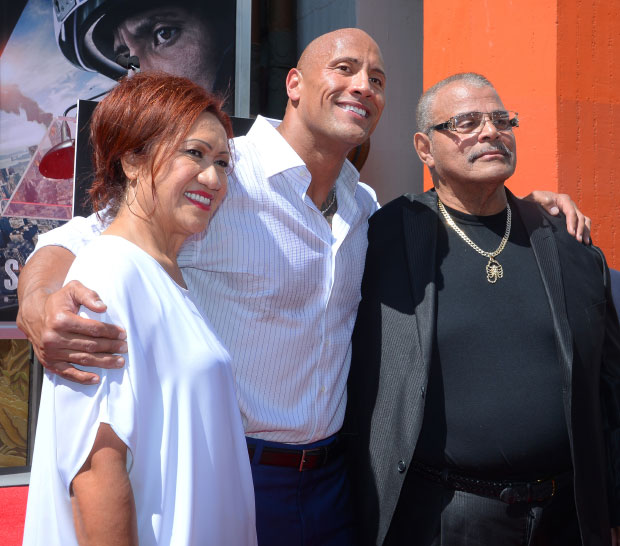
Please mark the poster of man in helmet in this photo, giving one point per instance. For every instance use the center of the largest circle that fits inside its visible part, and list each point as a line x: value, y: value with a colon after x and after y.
x: 54, y: 52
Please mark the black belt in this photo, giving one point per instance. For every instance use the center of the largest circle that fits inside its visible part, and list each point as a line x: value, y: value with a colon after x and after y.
x: 509, y: 492
x: 302, y: 459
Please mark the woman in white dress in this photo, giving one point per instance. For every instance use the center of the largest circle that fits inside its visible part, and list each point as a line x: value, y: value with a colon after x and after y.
x: 155, y: 452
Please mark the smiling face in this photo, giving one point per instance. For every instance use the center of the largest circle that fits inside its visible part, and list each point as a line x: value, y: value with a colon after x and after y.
x: 171, y: 39
x: 339, y: 96
x: 191, y: 184
x: 486, y: 157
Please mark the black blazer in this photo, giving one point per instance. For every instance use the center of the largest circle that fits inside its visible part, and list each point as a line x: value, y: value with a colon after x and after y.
x: 392, y: 345
x: 615, y: 288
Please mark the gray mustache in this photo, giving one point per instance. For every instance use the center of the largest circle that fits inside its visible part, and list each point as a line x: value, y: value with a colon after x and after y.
x: 500, y: 147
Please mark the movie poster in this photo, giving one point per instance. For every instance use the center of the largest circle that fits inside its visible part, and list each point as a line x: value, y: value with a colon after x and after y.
x: 59, y: 51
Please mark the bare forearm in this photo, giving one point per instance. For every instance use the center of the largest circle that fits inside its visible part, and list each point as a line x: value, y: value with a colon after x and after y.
x: 42, y: 276
x: 104, y: 509
x: 48, y: 316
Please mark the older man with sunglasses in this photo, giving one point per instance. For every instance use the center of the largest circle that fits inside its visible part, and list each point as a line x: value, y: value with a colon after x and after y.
x: 484, y: 391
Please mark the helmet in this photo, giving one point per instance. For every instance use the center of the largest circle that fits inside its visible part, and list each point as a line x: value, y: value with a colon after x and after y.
x: 75, y: 23
x: 85, y: 31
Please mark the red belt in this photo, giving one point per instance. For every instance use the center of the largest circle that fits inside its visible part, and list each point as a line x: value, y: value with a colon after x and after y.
x: 302, y: 459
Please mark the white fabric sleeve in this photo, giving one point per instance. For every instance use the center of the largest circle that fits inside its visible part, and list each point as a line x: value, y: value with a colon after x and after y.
x: 73, y: 235
x: 80, y: 409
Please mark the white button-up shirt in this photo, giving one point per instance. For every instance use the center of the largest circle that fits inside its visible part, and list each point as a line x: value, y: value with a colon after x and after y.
x: 279, y: 286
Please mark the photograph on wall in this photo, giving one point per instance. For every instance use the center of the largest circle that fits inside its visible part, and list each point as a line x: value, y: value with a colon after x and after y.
x: 55, y: 52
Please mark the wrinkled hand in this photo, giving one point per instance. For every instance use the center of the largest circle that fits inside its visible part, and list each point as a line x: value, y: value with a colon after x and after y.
x: 60, y: 337
x: 577, y: 224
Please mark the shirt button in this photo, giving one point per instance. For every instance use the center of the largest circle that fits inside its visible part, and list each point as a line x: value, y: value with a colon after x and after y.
x: 402, y: 466
x: 322, y: 389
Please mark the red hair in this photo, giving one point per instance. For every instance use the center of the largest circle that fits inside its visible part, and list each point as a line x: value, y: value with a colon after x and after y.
x: 144, y: 115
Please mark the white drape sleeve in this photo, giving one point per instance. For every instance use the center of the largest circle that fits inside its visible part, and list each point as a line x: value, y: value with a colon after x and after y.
x: 73, y: 235
x: 80, y: 409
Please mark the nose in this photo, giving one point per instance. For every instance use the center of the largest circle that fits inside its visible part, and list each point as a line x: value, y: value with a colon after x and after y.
x: 489, y: 131
x: 360, y: 83
x: 120, y: 48
x: 210, y: 177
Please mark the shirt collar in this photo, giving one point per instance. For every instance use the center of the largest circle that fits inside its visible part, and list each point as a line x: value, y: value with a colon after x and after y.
x: 277, y: 155
x: 349, y: 176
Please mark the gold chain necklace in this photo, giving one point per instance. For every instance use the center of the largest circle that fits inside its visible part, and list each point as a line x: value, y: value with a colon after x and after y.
x: 331, y: 203
x: 493, y: 268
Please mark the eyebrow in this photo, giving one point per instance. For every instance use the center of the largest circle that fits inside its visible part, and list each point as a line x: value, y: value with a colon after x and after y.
x: 497, y: 111
x: 145, y: 25
x: 207, y: 144
x: 354, y: 60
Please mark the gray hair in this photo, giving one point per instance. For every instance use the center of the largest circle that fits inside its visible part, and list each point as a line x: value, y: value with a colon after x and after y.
x: 425, y: 104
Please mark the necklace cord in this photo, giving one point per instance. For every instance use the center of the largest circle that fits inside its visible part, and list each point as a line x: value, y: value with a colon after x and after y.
x: 331, y: 203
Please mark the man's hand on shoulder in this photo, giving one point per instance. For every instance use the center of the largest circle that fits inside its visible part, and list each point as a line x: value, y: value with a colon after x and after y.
x: 61, y: 338
x: 577, y: 223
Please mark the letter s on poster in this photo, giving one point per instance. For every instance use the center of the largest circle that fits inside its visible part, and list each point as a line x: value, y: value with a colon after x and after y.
x: 11, y: 266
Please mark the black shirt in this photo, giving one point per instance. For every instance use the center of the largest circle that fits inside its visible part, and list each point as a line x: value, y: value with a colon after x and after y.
x: 494, y: 406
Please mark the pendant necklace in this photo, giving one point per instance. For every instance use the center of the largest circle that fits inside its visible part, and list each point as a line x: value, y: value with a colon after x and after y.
x: 493, y: 268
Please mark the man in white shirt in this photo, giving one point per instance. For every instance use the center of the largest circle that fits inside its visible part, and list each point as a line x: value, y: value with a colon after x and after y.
x: 278, y: 275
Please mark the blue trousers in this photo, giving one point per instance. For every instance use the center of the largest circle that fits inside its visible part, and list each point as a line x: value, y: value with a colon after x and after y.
x: 308, y: 508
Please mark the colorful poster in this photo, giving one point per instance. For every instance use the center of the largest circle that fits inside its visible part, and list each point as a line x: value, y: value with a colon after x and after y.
x: 59, y: 51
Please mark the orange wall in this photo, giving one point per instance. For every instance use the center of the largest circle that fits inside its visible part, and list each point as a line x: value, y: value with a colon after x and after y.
x: 588, y: 106
x: 554, y: 63
x: 514, y: 45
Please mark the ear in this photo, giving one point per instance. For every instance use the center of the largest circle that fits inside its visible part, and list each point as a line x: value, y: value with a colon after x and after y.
x: 293, y: 84
x: 130, y: 166
x: 423, y: 146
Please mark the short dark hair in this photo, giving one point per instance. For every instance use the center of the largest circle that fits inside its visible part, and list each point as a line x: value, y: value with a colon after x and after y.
x: 145, y: 114
x: 425, y: 104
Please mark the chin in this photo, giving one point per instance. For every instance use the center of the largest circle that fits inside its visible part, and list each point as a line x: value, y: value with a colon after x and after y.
x: 197, y: 225
x: 355, y: 138
x: 498, y: 172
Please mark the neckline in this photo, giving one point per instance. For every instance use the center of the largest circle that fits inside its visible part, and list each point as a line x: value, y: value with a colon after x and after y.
x: 474, y: 219
x: 141, y: 250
